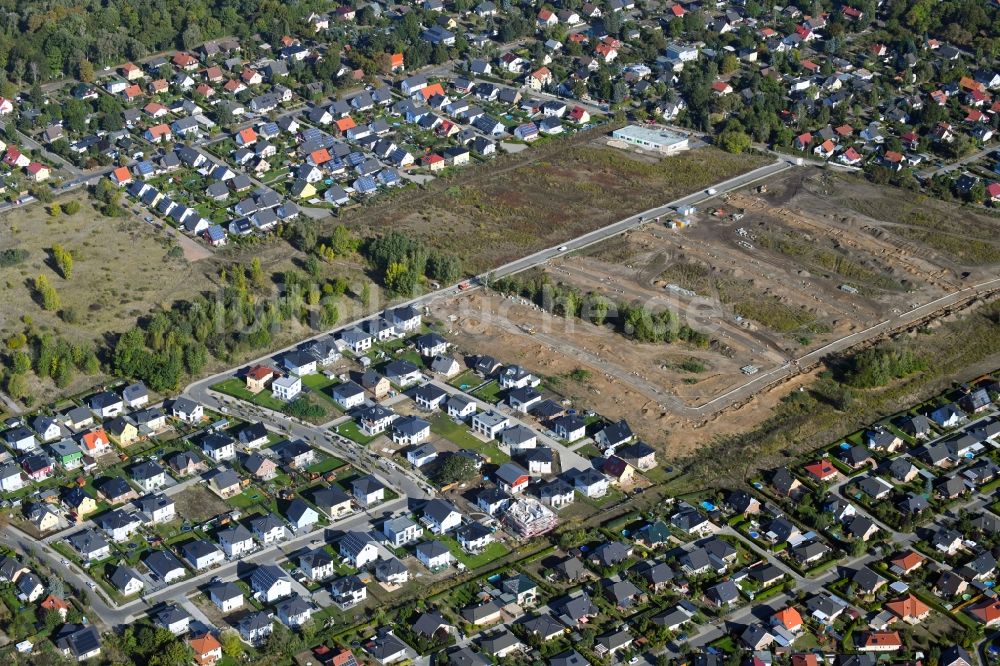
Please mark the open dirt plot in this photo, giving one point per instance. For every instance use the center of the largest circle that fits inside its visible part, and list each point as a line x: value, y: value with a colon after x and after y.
x: 198, y: 504
x: 502, y: 214
x: 558, y: 350
x: 769, y: 275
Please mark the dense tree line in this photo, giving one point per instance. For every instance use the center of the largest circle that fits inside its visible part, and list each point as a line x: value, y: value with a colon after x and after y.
x: 48, y: 39
x: 880, y: 365
x: 48, y: 357
x: 633, y: 320
x: 403, y: 261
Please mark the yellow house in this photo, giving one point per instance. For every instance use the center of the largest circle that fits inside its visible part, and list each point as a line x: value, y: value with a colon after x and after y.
x: 258, y: 377
x: 376, y: 383
x: 122, y: 432
x: 303, y: 190
x: 87, y: 506
x: 49, y: 521
x: 43, y: 517
x: 619, y: 471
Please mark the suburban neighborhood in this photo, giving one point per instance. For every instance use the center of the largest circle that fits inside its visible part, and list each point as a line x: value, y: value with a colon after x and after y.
x: 473, y: 333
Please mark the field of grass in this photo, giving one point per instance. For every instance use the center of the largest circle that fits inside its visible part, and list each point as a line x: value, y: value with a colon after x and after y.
x: 460, y: 436
x: 917, y: 210
x: 352, y: 431
x: 467, y: 378
x: 489, y: 392
x: 321, y: 386
x: 328, y: 464
x: 971, y: 251
x: 236, y: 388
x: 548, y: 195
x: 491, y: 553
x: 122, y: 268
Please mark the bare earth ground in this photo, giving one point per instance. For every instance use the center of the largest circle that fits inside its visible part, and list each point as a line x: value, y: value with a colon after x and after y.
x: 554, y: 350
x: 766, y: 294
x: 198, y: 504
x: 498, y: 214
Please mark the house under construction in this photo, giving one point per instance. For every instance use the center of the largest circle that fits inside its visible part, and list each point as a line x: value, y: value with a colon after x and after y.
x: 529, y: 518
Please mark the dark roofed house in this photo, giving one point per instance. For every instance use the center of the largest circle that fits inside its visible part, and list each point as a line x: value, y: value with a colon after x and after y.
x: 915, y: 426
x: 623, y: 594
x: 575, y: 610
x: 432, y: 624
x: 785, y: 483
x: 723, y: 594
x: 78, y: 642
x: 611, y: 553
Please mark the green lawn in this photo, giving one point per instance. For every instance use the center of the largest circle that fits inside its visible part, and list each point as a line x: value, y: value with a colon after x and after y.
x: 462, y: 437
x: 237, y: 389
x: 246, y: 499
x: 321, y: 385
x: 614, y: 496
x: 326, y: 465
x: 467, y: 379
x: 352, y: 431
x: 493, y: 552
x: 489, y: 392
x: 589, y: 451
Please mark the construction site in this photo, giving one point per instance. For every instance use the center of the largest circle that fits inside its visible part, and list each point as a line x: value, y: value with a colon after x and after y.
x: 529, y: 518
x: 777, y: 276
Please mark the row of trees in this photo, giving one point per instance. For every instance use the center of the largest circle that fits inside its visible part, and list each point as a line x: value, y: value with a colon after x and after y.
x: 46, y: 293
x: 41, y: 40
x: 64, y: 260
x: 633, y: 320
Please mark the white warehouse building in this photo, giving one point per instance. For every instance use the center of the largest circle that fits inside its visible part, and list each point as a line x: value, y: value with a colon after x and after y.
x: 652, y: 137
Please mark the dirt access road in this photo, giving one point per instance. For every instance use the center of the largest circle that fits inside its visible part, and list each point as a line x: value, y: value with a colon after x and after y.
x: 780, y: 280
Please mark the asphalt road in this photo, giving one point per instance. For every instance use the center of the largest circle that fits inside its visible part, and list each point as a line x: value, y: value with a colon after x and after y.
x: 21, y: 543
x: 753, y: 385
x: 114, y: 615
x: 197, y: 388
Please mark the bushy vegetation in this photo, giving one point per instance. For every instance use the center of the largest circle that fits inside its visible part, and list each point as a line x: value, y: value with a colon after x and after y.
x: 456, y: 469
x: 880, y: 365
x: 48, y: 357
x: 402, y: 261
x: 634, y: 321
x: 242, y: 317
x: 303, y: 408
x: 46, y: 293
x: 12, y: 257
x: 64, y: 260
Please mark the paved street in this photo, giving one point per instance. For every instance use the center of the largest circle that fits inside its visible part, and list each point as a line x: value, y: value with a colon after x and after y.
x: 114, y: 614
x: 957, y: 164
x: 197, y: 389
